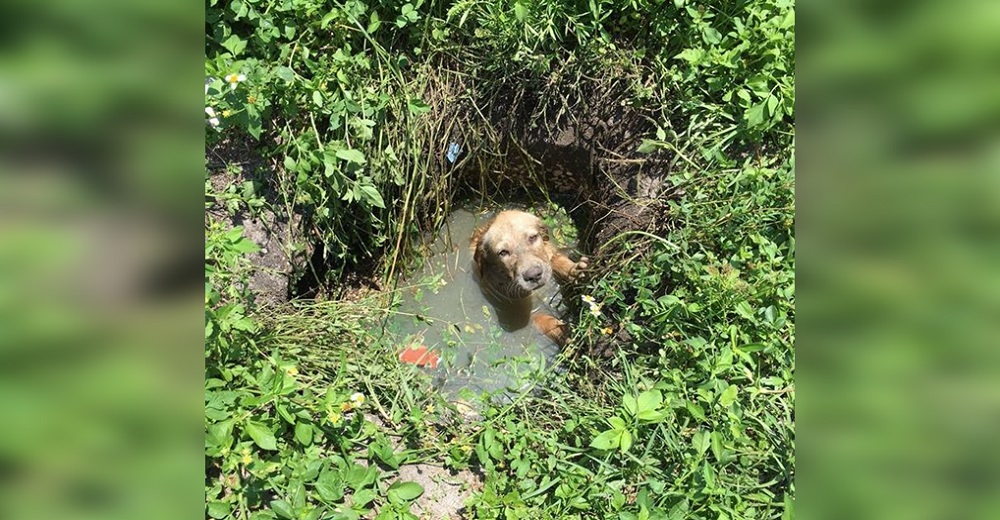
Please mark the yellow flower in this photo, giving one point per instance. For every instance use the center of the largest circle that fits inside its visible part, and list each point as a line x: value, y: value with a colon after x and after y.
x: 429, y: 408
x: 227, y: 113
x: 357, y: 398
x: 290, y: 370
x: 247, y: 459
x: 607, y: 331
x: 234, y: 79
x: 334, y: 418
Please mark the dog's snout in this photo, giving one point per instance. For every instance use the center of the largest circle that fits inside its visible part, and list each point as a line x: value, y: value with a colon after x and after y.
x: 533, y: 275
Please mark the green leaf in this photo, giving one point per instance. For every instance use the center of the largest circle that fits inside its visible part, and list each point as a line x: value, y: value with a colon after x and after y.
x: 304, y: 433
x: 373, y: 22
x: 417, y: 107
x: 346, y: 514
x: 772, y: 104
x: 358, y: 476
x: 744, y: 310
x: 755, y: 115
x: 282, y: 508
x: 711, y: 35
x: 329, y: 486
x: 520, y: 11
x: 261, y: 435
x: 285, y: 73
x: 709, y: 475
x: 651, y: 415
x: 329, y: 17
x: 219, y: 509
x: 625, y: 440
x: 219, y: 435
x: 246, y: 246
x: 728, y: 396
x: 254, y: 124
x: 649, y: 146
x: 692, y: 56
x: 701, y: 441
x: 382, y: 450
x: 372, y: 196
x: 606, y: 440
x: 363, y: 497
x: 695, y: 410
x: 317, y: 98
x: 405, y: 491
x: 649, y: 400
x: 617, y: 423
x: 630, y: 404
x: 235, y: 45
x: 351, y: 155
x: 789, y: 512
x: 717, y: 449
x: 489, y: 442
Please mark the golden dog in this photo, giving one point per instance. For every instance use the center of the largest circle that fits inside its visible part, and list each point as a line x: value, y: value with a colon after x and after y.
x: 512, y: 257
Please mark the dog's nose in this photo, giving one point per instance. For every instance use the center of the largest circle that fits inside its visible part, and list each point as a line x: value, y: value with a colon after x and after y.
x: 532, y: 275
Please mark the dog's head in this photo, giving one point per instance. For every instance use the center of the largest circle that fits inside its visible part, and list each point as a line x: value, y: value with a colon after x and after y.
x: 512, y: 254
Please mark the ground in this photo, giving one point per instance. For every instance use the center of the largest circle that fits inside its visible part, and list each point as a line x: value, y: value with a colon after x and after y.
x: 445, y: 491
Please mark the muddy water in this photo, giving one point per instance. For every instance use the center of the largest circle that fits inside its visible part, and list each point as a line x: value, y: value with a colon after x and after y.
x: 443, y: 308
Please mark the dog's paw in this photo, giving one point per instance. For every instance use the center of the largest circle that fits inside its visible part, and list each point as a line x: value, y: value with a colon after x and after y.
x: 553, y: 327
x: 579, y: 268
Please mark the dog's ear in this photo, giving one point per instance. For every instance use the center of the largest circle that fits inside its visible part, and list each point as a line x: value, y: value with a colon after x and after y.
x: 543, y: 230
x: 478, y: 247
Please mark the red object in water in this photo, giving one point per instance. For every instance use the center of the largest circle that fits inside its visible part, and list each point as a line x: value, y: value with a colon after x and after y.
x: 419, y: 355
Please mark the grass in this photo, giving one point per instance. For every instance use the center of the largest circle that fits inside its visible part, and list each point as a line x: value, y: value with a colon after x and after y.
x: 675, y: 400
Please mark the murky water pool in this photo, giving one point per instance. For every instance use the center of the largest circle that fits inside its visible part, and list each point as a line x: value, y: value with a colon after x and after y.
x: 443, y: 308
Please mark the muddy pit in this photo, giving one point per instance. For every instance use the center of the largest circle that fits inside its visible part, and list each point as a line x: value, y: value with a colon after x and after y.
x: 442, y: 308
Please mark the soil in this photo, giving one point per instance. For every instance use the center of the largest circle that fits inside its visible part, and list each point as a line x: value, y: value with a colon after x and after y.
x: 230, y: 164
x: 445, y: 491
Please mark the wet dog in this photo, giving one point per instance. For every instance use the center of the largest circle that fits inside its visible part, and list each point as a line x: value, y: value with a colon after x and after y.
x: 512, y: 257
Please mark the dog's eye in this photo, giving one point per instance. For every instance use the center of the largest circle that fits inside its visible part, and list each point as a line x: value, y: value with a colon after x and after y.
x: 503, y: 253
x: 532, y: 238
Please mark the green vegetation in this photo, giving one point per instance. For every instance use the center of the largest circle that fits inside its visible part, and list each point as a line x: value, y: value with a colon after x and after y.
x: 677, y: 396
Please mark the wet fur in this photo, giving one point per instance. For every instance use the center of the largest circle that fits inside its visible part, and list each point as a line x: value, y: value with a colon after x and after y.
x: 512, y: 257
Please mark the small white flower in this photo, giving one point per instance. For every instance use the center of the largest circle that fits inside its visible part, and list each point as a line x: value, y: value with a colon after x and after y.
x: 235, y: 79
x: 595, y: 310
x: 212, y: 119
x: 588, y: 299
x: 357, y: 398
